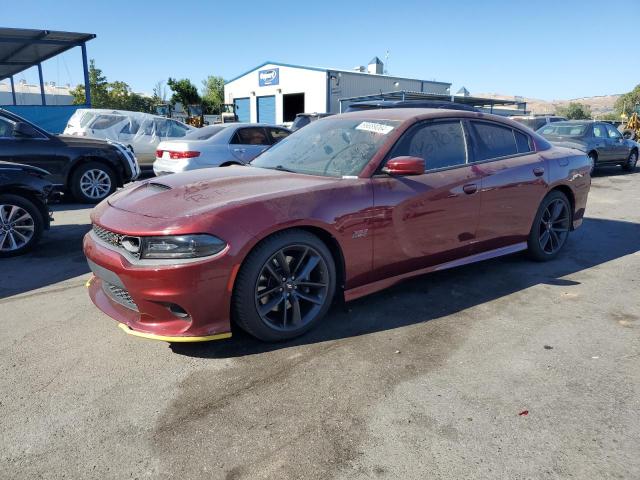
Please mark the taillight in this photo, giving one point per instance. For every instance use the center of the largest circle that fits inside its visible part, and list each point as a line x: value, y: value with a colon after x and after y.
x: 177, y: 155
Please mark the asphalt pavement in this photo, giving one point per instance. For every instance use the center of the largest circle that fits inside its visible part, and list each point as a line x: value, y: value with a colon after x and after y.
x: 503, y: 369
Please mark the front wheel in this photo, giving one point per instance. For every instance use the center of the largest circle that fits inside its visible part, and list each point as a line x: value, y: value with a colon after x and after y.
x: 630, y: 164
x: 550, y: 227
x: 21, y: 225
x: 285, y: 286
x: 92, y: 182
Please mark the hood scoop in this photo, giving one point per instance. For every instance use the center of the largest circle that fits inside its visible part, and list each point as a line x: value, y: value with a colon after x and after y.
x: 158, y: 186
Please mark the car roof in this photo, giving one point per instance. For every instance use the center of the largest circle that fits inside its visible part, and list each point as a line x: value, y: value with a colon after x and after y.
x: 406, y: 114
x: 425, y: 103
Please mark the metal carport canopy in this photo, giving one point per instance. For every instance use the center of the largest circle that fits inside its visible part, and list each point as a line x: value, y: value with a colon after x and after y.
x: 21, y: 49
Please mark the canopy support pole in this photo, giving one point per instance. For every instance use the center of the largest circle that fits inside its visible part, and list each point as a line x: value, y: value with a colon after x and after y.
x: 85, y: 66
x: 13, y: 90
x: 44, y: 100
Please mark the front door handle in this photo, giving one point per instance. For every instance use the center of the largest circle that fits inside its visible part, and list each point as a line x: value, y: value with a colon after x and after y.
x: 470, y: 188
x: 538, y: 171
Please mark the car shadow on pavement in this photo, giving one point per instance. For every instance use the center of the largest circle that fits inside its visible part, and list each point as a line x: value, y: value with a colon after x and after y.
x: 58, y: 257
x: 440, y: 294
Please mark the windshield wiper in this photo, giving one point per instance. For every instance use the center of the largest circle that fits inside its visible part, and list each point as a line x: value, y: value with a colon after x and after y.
x: 281, y: 168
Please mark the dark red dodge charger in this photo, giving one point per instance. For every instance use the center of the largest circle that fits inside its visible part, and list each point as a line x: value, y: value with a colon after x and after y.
x: 347, y: 206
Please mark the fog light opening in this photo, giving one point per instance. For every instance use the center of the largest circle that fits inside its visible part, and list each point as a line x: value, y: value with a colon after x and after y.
x: 177, y: 310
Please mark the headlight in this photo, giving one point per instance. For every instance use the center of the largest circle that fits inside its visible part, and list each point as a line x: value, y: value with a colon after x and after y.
x: 183, y: 246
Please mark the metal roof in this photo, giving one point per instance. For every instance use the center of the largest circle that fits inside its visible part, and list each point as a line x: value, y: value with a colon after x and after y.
x: 318, y: 69
x: 21, y: 48
x: 407, y: 95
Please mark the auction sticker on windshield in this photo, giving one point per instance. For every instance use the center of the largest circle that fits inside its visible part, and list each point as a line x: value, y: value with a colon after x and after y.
x: 375, y: 127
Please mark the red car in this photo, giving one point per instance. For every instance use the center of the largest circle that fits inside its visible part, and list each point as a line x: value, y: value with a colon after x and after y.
x: 348, y: 205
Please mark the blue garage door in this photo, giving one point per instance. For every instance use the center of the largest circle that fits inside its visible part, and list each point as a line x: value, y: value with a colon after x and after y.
x: 242, y: 109
x: 267, y: 109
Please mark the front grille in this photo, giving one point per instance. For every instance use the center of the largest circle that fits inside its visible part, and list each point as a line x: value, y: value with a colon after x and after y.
x: 107, y: 236
x: 119, y: 295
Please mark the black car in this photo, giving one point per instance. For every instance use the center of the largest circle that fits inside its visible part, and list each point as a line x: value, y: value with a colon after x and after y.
x: 601, y: 141
x: 377, y: 104
x: 24, y: 214
x: 89, y: 169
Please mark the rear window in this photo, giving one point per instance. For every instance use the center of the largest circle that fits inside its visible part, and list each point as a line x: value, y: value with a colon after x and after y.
x: 204, y: 133
x: 86, y: 118
x: 560, y: 130
x: 493, y: 141
x: 533, y: 123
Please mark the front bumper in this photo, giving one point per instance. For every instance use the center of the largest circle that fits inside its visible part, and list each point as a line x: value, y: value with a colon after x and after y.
x: 171, y: 302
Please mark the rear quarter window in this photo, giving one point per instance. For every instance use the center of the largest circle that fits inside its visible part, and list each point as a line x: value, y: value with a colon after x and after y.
x: 493, y: 141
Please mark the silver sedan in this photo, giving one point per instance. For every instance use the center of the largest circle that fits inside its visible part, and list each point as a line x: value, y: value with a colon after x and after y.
x: 216, y: 146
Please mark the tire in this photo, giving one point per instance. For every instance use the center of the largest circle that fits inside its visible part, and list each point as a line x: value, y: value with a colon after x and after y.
x: 297, y: 304
x: 593, y: 156
x: 630, y: 164
x: 104, y: 182
x: 551, y: 227
x: 19, y: 218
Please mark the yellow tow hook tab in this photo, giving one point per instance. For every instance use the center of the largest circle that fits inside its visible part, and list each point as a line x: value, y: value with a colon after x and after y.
x: 88, y: 283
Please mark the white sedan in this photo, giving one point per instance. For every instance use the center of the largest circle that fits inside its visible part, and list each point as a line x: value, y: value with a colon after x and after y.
x: 216, y: 146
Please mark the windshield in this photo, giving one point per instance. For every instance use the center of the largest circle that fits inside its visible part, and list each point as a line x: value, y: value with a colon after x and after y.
x: 331, y: 147
x: 204, y: 133
x: 563, y: 130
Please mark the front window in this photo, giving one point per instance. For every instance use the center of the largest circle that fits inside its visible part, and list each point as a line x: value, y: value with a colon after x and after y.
x: 613, y: 132
x: 331, y: 148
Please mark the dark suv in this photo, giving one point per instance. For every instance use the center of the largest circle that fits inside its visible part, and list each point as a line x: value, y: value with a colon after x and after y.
x: 89, y: 169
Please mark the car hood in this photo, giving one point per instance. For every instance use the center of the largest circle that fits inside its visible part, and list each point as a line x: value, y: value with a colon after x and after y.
x: 203, y: 191
x: 25, y: 168
x: 73, y: 141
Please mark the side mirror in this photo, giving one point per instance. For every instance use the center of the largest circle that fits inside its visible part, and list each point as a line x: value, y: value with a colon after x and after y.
x: 404, y: 166
x: 24, y: 130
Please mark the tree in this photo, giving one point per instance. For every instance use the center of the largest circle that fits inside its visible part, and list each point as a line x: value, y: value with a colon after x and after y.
x: 626, y: 103
x: 213, y: 94
x: 104, y: 94
x: 575, y: 111
x: 184, y: 92
x: 160, y: 92
x: 98, y: 87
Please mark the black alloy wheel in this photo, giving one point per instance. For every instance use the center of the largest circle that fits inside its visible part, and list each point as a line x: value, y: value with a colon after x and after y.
x: 551, y: 227
x: 291, y: 280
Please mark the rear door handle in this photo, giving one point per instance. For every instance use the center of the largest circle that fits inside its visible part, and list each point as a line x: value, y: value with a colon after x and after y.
x: 240, y: 150
x: 470, y: 188
x: 538, y: 171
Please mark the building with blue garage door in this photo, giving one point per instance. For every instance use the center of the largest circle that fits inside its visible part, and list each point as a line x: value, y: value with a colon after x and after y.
x: 276, y: 92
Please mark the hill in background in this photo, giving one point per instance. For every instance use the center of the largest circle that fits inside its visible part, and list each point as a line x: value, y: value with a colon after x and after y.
x: 599, y: 105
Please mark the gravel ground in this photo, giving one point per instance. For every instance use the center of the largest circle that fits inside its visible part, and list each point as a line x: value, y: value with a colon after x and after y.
x: 503, y: 369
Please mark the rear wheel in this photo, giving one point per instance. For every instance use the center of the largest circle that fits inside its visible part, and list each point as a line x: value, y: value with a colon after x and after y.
x: 630, y: 164
x: 550, y: 227
x: 92, y: 182
x: 285, y: 286
x: 21, y: 225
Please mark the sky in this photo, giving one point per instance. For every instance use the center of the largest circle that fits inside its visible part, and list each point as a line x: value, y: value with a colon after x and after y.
x: 560, y: 49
